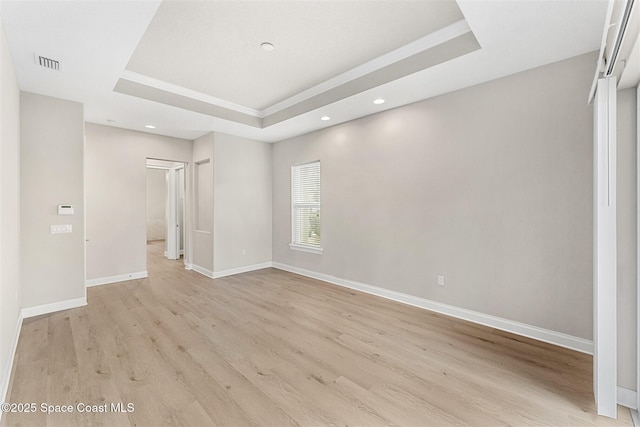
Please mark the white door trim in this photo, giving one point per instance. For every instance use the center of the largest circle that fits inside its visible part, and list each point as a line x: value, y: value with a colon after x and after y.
x: 172, y: 220
x: 638, y: 249
x: 172, y: 242
x: 605, y: 255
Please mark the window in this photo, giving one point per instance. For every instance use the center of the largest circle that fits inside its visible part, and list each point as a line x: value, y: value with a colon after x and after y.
x: 305, y: 207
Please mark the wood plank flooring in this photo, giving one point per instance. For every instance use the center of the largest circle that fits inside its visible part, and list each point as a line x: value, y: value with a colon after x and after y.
x: 270, y: 348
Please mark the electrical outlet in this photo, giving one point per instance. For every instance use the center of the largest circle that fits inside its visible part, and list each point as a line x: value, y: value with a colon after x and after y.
x: 244, y: 252
x: 441, y: 280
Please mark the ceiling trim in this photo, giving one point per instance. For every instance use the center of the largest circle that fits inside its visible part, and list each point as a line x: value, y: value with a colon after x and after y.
x: 150, y: 93
x: 438, y: 54
x: 440, y: 46
x: 189, y: 93
x: 430, y: 40
x: 454, y: 48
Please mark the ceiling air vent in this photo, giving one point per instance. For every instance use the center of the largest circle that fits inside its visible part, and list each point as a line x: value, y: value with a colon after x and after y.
x: 49, y: 63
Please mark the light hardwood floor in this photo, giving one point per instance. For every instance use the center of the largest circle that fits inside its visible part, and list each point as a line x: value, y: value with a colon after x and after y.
x: 271, y: 348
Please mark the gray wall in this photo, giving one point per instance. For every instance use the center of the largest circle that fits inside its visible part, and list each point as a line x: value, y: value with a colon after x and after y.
x: 242, y: 202
x: 116, y: 202
x: 490, y: 186
x: 52, y: 138
x: 202, y: 249
x: 233, y: 202
x: 626, y: 247
x: 156, y: 204
x: 9, y: 210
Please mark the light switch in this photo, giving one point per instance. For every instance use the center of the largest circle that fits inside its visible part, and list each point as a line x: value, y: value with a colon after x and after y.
x: 61, y: 228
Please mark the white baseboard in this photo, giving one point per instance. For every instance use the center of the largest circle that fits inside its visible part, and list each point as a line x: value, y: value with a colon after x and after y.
x: 635, y: 417
x: 50, y: 308
x: 201, y: 270
x: 627, y: 398
x: 166, y: 253
x: 230, y: 272
x: 115, y: 279
x: 540, y: 334
x: 25, y: 313
x: 8, y: 368
x: 244, y: 269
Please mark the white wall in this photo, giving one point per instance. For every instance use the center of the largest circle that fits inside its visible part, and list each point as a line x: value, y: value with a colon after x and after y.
x: 156, y: 204
x: 52, y: 148
x: 9, y: 212
x: 490, y: 186
x: 626, y: 237
x: 116, y: 201
x: 242, y: 202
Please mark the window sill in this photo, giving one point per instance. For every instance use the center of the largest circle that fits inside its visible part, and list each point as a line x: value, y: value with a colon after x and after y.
x: 306, y: 248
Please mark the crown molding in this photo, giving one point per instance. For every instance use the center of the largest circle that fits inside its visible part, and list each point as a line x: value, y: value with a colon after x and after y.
x: 422, y: 44
x: 436, y: 38
x: 189, y: 93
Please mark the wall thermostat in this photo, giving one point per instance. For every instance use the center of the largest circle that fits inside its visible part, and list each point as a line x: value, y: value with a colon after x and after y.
x: 65, y: 210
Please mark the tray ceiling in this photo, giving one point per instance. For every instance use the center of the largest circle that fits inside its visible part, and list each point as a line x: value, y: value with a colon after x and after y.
x: 214, y: 47
x: 192, y: 67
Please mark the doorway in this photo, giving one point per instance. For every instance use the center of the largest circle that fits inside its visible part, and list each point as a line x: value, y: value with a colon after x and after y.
x: 166, y: 206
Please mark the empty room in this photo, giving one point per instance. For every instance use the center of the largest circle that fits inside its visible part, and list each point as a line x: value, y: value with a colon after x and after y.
x: 303, y: 213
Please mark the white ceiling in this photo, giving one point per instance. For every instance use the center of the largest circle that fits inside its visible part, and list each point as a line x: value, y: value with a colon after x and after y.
x: 331, y: 58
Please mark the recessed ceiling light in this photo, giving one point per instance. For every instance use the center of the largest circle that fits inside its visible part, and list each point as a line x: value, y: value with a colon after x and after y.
x: 150, y: 126
x: 325, y: 118
x: 267, y: 46
x: 378, y: 101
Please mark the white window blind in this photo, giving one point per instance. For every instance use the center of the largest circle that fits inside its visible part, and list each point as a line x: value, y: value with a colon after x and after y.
x: 305, y: 206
